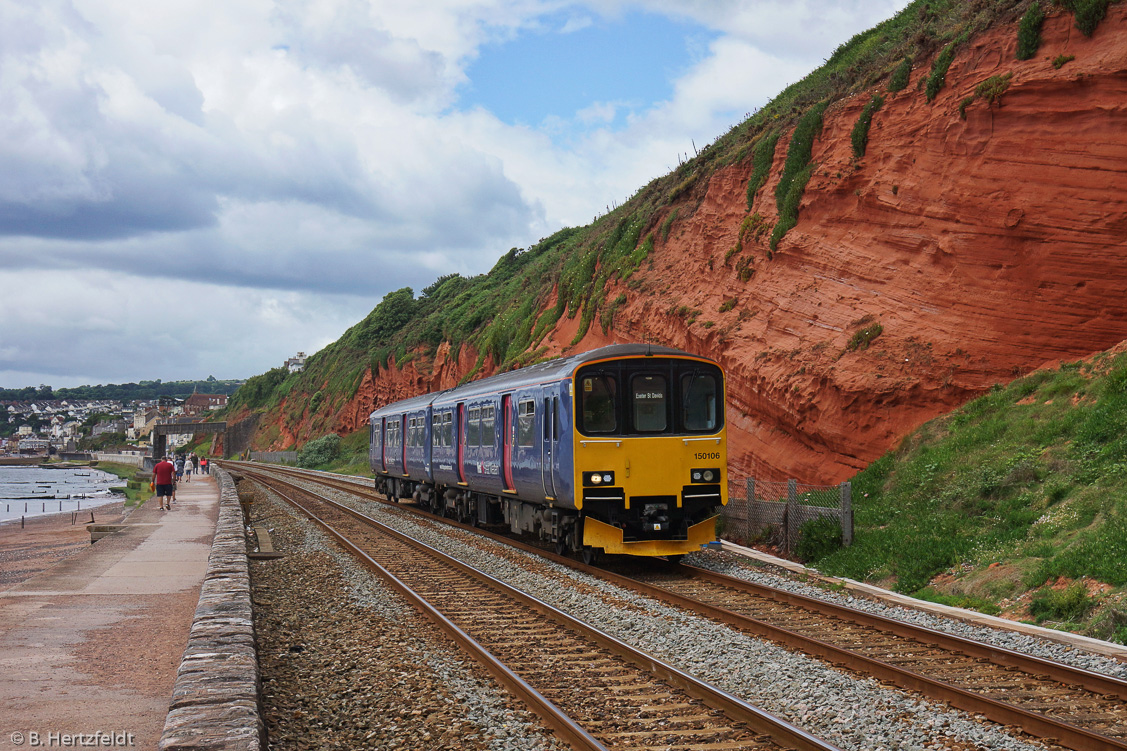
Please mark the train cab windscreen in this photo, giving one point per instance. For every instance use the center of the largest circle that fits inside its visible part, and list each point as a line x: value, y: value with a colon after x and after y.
x: 649, y: 397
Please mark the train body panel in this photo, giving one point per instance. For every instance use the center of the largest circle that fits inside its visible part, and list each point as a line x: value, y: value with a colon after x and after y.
x: 622, y: 448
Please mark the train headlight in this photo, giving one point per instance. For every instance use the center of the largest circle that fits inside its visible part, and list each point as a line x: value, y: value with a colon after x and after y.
x: 709, y: 475
x: 598, y: 478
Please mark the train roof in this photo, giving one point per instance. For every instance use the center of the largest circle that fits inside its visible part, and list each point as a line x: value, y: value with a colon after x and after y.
x: 549, y: 370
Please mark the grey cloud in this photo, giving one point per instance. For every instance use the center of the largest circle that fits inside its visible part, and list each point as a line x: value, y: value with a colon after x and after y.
x: 397, y: 66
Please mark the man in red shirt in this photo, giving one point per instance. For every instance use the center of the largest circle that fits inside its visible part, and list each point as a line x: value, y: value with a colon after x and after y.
x: 165, y: 485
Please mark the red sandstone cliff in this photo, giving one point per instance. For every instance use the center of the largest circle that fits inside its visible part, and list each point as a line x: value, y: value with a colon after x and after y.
x: 984, y: 247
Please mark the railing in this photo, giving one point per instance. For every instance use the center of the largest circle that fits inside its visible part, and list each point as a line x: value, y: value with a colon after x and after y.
x: 135, y: 460
x: 778, y: 511
x: 274, y: 457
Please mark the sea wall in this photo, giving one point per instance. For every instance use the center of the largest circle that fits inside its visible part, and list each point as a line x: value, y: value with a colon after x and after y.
x: 215, y: 699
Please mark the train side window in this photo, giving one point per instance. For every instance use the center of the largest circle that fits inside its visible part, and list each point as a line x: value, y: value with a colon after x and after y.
x: 488, y: 435
x: 648, y: 397
x: 473, y: 428
x: 526, y: 423
x: 700, y: 398
x: 448, y: 429
x: 435, y: 430
x: 597, y: 397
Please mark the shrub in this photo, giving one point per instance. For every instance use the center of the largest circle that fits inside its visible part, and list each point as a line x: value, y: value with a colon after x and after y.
x: 1089, y: 13
x: 1110, y: 624
x: 668, y: 224
x: 860, y: 134
x: 963, y: 107
x: 1029, y: 31
x: 818, y: 538
x: 993, y: 87
x: 863, y: 338
x: 606, y: 318
x: 744, y: 269
x: 727, y: 305
x: 319, y: 452
x: 1060, y: 60
x: 939, y: 68
x: 753, y: 228
x: 799, y: 151
x: 734, y: 250
x: 900, y: 77
x: 761, y: 160
x: 788, y: 215
x: 1068, y: 604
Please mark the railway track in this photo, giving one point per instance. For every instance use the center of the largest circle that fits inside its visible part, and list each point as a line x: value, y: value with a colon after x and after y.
x: 593, y: 690
x: 1076, y: 708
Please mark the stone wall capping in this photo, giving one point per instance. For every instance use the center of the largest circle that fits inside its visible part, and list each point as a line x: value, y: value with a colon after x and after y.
x: 215, y: 700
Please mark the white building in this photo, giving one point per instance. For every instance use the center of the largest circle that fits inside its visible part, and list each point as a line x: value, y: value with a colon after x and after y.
x: 294, y: 364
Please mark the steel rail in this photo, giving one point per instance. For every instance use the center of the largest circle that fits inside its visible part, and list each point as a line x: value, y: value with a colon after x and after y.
x: 1073, y: 736
x: 1095, y: 682
x: 737, y: 709
x: 562, y: 725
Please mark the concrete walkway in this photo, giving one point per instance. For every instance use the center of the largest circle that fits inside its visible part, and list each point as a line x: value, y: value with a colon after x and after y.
x: 92, y: 644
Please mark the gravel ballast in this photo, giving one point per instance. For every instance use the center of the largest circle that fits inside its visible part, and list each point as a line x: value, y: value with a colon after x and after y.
x: 726, y: 563
x: 348, y: 664
x: 850, y: 712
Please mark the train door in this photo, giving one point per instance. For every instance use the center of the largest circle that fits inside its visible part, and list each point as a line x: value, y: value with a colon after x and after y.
x: 460, y: 432
x: 547, y: 450
x: 383, y: 443
x: 507, y: 441
x: 555, y: 443
x: 403, y: 443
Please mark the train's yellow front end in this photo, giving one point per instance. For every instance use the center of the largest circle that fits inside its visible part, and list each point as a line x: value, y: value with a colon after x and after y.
x: 650, y: 455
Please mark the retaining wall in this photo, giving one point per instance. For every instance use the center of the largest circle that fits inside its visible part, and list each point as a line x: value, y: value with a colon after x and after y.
x: 215, y: 700
x: 137, y: 460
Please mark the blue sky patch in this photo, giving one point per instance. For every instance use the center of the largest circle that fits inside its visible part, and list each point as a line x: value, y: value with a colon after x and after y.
x: 551, y: 72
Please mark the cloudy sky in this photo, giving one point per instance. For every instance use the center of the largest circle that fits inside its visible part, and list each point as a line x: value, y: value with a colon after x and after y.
x: 205, y: 187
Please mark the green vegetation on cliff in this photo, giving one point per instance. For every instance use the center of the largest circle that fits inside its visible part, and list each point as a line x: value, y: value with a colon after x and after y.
x: 503, y: 317
x: 1020, y: 489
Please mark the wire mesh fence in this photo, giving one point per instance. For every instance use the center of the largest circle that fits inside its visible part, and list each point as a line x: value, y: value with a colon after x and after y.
x: 778, y: 512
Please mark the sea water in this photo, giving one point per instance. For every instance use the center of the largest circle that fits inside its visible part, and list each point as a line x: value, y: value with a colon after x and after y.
x: 33, y: 491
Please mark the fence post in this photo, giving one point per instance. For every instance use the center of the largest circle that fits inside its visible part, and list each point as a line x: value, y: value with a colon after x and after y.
x: 846, y: 514
x: 747, y: 510
x: 791, y: 516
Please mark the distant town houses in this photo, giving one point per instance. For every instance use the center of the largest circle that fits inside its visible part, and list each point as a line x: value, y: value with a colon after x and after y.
x: 198, y: 403
x: 41, y: 425
x: 108, y: 426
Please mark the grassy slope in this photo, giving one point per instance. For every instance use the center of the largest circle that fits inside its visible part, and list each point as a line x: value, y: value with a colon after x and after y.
x: 1020, y: 489
x: 505, y: 314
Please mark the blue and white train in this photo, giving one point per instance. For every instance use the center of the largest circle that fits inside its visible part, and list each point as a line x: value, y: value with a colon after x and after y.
x: 620, y: 450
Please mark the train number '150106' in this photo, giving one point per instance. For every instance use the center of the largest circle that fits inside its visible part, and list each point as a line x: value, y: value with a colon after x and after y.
x: 706, y: 455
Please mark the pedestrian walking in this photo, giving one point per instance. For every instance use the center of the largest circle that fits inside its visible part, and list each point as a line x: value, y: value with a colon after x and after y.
x: 189, y: 468
x: 164, y: 483
x: 205, y: 466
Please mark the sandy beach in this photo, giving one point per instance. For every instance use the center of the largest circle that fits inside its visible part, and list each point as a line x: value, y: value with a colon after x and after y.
x: 45, y: 540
